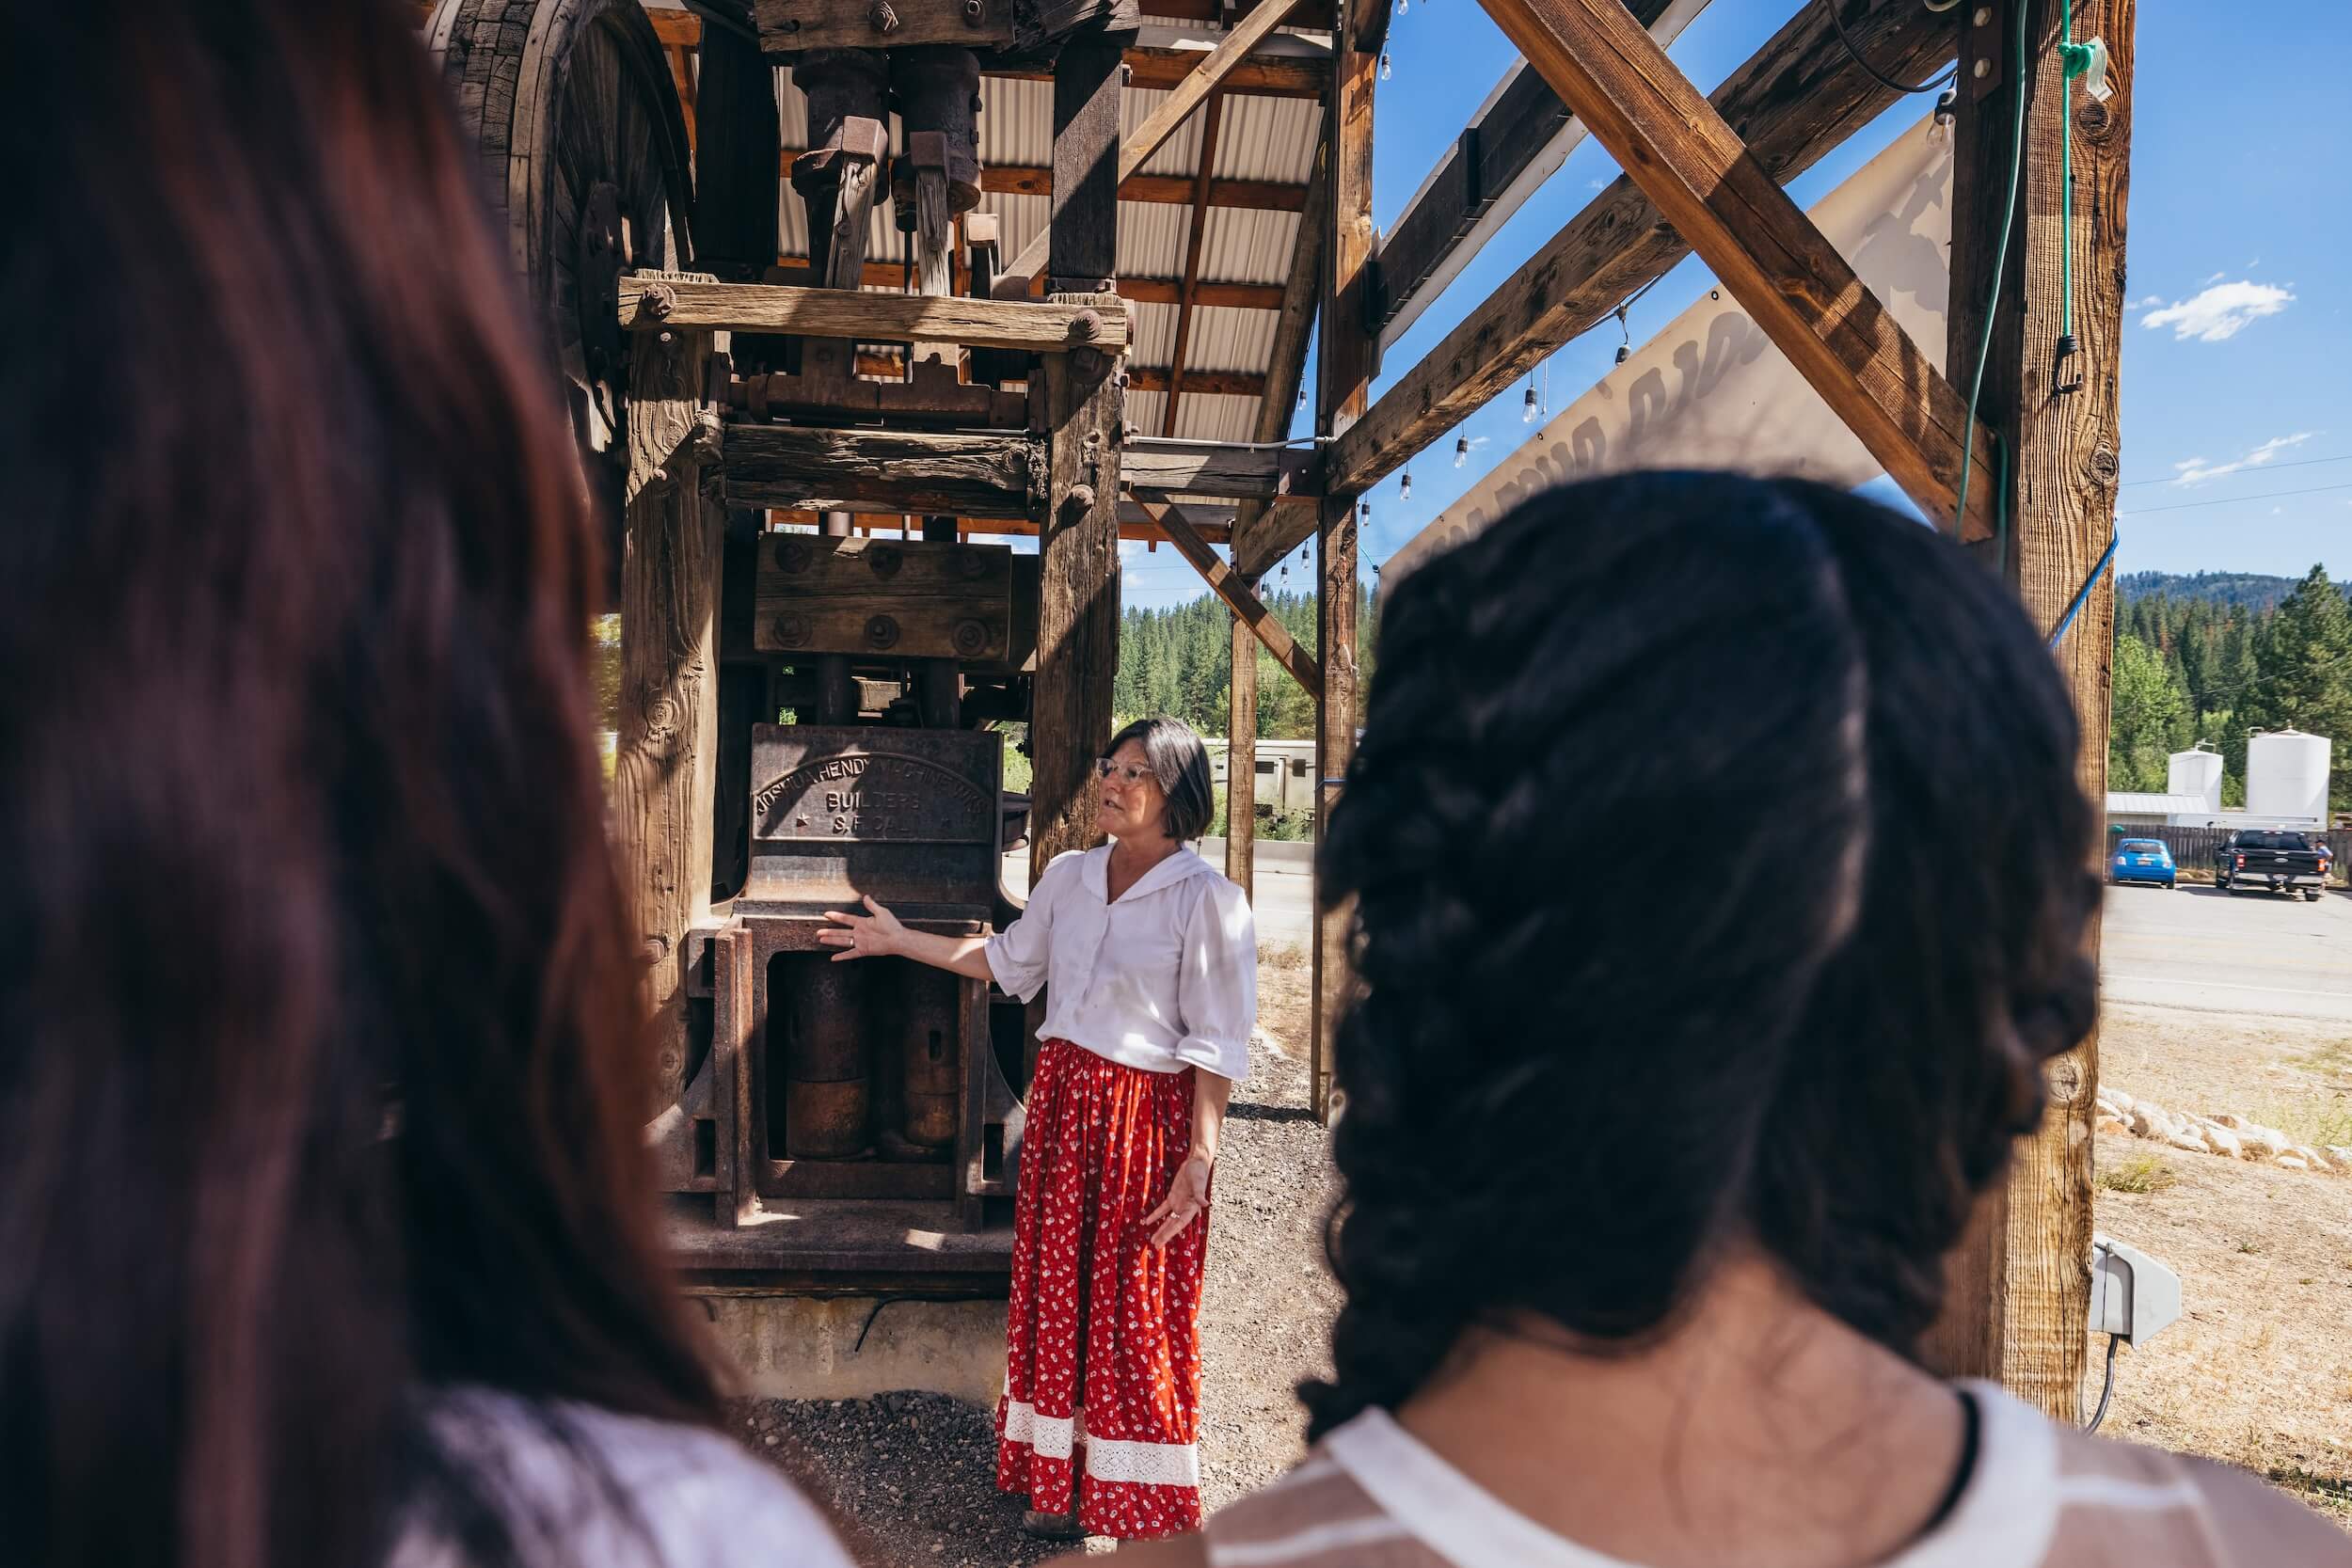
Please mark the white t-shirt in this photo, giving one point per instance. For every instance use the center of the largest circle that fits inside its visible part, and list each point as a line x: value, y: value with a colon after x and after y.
x: 591, y: 1489
x: 1165, y: 979
x: 2040, y: 1495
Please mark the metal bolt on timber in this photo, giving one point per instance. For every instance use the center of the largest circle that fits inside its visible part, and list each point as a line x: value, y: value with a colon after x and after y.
x: 883, y: 19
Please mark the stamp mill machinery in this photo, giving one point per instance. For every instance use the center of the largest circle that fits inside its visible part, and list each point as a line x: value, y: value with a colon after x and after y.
x: 808, y: 712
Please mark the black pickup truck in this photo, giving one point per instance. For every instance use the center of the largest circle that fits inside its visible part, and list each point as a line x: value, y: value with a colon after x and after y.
x: 2275, y: 859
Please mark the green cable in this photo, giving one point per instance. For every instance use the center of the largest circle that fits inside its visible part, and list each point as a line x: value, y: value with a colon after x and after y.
x: 2000, y: 266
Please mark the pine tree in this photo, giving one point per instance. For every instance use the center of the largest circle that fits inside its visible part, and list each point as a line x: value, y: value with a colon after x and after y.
x: 2304, y: 679
x: 2148, y: 715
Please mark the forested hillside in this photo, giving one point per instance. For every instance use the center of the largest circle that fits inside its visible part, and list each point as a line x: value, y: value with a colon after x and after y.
x: 2205, y: 658
x: 1178, y: 661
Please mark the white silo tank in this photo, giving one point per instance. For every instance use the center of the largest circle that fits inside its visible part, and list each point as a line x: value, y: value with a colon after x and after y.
x: 2286, y: 775
x: 2195, y: 772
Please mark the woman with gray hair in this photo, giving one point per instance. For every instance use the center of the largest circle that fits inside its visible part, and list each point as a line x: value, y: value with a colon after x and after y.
x: 1150, y: 960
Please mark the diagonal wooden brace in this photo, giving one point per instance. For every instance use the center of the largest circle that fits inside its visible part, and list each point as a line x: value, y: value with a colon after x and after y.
x: 1247, y: 607
x: 1675, y: 146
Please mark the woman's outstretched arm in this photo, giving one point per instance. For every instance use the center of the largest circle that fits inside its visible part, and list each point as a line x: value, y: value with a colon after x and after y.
x: 878, y: 934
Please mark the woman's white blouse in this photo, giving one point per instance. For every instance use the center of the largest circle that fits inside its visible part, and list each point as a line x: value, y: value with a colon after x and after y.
x: 1165, y: 979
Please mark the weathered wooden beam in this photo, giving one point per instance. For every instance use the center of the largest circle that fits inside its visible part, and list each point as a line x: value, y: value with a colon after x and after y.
x: 1350, y: 359
x: 1248, y: 609
x: 1155, y: 469
x: 1210, y: 120
x: 1163, y: 121
x: 1493, y: 151
x: 1793, y: 281
x: 1273, y: 76
x: 1794, y: 100
x: 794, y: 272
x: 790, y: 26
x: 911, y: 599
x: 1013, y: 323
x: 1286, y: 357
x: 2019, y: 1285
x: 666, y: 757
x: 874, y: 471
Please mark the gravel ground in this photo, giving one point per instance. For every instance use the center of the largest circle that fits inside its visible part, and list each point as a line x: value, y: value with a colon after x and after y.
x: 912, y: 1477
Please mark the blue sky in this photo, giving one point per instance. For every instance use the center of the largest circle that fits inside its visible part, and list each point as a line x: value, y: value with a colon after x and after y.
x: 2238, y: 352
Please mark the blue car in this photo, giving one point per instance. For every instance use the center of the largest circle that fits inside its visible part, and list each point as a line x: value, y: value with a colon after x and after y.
x: 2143, y: 860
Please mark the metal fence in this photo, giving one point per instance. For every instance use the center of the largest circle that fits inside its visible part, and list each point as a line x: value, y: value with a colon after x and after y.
x: 2192, y: 848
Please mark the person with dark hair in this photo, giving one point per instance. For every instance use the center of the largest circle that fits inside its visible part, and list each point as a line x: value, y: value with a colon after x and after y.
x: 325, y: 1234
x: 1148, y: 959
x: 1648, y: 1182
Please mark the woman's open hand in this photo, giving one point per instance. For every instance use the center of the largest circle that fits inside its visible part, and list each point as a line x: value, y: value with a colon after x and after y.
x: 1187, y: 1199
x: 872, y: 935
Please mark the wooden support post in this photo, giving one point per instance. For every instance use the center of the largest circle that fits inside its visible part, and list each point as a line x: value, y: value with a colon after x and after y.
x: 2020, y: 1282
x: 735, y: 167
x: 1077, y: 634
x: 663, y: 769
x: 735, y: 233
x: 1241, y: 760
x: 1345, y: 381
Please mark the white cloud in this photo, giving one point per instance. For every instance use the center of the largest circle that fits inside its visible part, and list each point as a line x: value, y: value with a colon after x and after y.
x: 2277, y: 511
x: 1596, y: 184
x: 2150, y: 303
x: 2220, y: 311
x: 2215, y: 278
x: 2197, y: 470
x: 2253, y: 264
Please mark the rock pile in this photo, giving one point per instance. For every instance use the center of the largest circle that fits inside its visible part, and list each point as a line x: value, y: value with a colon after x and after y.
x: 2233, y: 1137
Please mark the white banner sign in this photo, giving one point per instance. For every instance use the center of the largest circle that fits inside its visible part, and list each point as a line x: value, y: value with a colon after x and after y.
x: 1710, y: 391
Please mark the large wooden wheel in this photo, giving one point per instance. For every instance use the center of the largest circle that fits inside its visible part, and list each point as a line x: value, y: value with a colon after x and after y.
x: 586, y: 163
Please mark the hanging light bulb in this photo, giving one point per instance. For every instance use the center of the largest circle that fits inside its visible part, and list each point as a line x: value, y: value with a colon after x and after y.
x: 1461, y: 450
x: 1302, y: 394
x: 1529, y: 416
x: 1405, y: 486
x: 1384, y: 73
x: 1364, y: 511
x: 1624, y: 352
x: 1286, y: 570
x: 1402, y: 6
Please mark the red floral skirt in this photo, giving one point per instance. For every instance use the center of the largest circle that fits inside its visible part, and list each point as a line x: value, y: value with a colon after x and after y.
x: 1102, y: 1342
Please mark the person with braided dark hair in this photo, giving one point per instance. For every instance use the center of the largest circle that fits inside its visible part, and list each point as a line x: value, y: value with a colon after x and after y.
x: 1647, y: 1178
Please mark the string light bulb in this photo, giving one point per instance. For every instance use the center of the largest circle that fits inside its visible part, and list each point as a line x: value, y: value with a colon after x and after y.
x: 1405, y: 486
x: 1302, y: 394
x: 1384, y: 73
x: 1461, y: 450
x: 1528, y: 417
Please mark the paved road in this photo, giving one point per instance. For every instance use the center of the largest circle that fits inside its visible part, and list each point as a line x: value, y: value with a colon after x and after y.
x: 2194, y: 948
x: 1285, y: 896
x: 2253, y: 953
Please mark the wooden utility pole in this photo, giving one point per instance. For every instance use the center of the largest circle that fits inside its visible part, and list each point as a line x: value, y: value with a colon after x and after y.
x: 665, y: 762
x: 1077, y: 639
x: 1349, y: 351
x: 2019, y: 1303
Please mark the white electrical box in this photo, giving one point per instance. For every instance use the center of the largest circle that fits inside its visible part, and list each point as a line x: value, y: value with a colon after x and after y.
x: 2132, y: 1295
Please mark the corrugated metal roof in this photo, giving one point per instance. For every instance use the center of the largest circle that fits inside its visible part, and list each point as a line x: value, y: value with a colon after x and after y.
x: 2140, y: 803
x: 1259, y: 139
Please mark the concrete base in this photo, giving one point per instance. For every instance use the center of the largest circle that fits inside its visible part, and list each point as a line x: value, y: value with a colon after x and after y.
x: 789, y: 1347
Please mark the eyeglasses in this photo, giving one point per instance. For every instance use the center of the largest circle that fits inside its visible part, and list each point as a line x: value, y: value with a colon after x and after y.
x: 1105, y: 768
